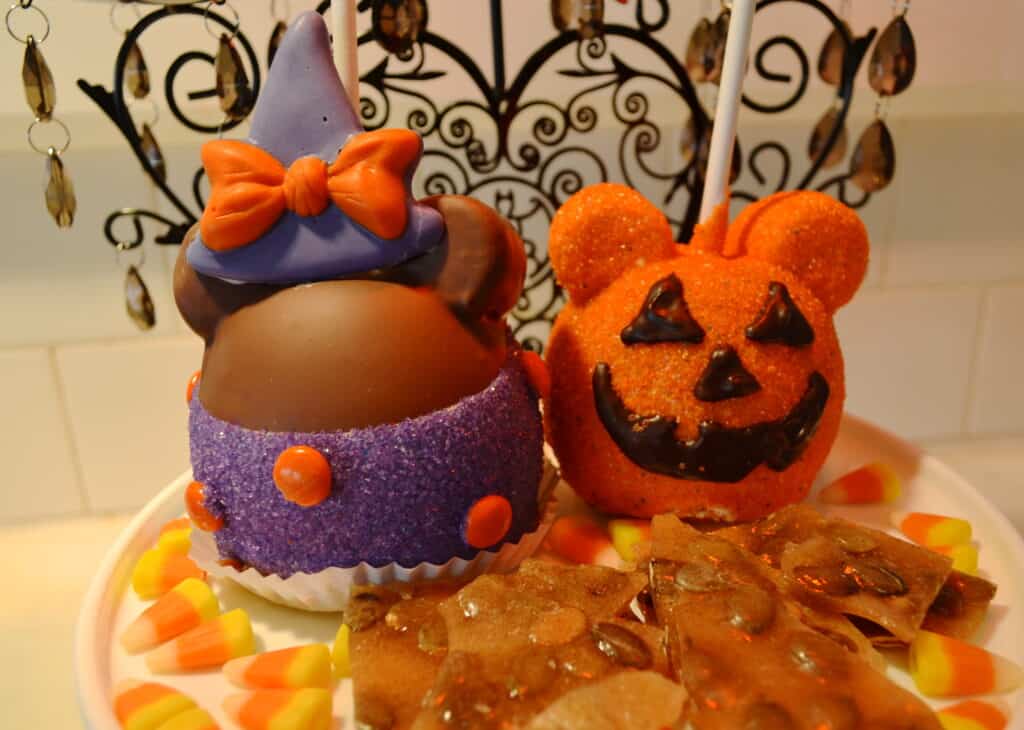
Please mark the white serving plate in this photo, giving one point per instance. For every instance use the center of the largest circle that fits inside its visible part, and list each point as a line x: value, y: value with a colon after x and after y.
x: 929, y: 486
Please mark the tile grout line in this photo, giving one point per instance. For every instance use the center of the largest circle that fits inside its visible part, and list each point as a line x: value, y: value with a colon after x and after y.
x: 76, y: 460
x: 971, y: 387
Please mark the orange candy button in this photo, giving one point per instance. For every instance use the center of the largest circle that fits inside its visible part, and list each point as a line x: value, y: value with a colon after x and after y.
x: 192, y: 383
x: 488, y: 521
x: 536, y: 372
x: 195, y: 504
x: 303, y: 475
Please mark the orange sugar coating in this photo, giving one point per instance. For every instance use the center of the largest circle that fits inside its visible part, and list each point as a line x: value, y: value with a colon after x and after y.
x: 811, y: 234
x: 710, y: 235
x: 724, y: 296
x: 602, y: 230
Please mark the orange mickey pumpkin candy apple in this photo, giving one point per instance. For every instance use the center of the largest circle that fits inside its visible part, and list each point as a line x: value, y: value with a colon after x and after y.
x: 703, y: 380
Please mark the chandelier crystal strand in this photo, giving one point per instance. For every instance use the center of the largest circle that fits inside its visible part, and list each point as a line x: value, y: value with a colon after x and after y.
x: 138, y: 303
x: 890, y: 72
x: 41, y: 96
x: 231, y: 82
x: 280, y: 27
x: 830, y: 70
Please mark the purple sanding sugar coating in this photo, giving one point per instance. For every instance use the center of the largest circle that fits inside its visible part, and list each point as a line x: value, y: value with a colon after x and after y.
x: 400, y: 492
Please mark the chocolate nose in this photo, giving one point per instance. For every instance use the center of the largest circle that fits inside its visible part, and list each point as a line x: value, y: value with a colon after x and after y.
x: 725, y: 378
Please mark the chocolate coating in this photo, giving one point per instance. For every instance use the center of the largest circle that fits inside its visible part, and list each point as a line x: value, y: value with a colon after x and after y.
x: 409, y: 339
x: 204, y: 300
x: 486, y: 265
x: 781, y: 321
x: 664, y: 317
x: 336, y: 355
x: 719, y: 453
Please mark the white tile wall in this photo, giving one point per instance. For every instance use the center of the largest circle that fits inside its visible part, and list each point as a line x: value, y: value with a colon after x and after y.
x: 941, y: 261
x: 39, y: 463
x: 126, y: 402
x: 64, y: 286
x: 908, y: 356
x: 999, y: 376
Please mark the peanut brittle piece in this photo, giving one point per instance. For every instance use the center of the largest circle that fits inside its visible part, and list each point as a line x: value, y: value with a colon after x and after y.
x: 397, y: 642
x: 837, y: 565
x: 745, y: 657
x: 641, y: 700
x: 597, y: 591
x: 518, y: 643
x: 960, y: 607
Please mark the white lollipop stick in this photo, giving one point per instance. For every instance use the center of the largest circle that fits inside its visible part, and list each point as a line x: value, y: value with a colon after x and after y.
x: 737, y: 44
x: 346, y: 46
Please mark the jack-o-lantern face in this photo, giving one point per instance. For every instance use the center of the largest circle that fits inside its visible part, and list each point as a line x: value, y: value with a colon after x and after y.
x: 690, y: 382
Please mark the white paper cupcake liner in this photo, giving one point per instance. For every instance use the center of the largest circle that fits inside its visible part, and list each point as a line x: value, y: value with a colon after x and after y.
x: 328, y: 589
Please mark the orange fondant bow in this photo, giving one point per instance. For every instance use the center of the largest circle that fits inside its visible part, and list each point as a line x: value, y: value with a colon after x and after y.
x: 250, y: 190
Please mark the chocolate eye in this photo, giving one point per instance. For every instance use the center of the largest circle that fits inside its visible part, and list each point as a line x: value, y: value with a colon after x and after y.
x: 664, y: 317
x: 780, y: 321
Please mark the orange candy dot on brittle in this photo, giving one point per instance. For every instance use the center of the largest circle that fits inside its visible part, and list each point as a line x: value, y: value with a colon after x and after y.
x: 195, y: 504
x: 601, y: 231
x: 303, y: 475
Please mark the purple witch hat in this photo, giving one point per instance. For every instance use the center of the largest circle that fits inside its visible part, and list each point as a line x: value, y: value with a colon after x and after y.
x: 304, y: 111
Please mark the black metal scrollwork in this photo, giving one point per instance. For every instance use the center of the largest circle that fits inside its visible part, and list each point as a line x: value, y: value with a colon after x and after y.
x: 506, y: 143
x: 113, y: 103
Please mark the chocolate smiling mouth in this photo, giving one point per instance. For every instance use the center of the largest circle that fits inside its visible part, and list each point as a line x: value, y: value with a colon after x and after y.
x: 719, y: 453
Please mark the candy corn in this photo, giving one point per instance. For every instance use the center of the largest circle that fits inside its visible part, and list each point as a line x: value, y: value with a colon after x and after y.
x: 147, y: 705
x: 965, y: 557
x: 945, y: 667
x: 299, y: 666
x: 159, y: 570
x: 210, y: 644
x: 580, y: 539
x: 628, y: 535
x: 178, y: 523
x: 175, y: 541
x: 184, y: 607
x: 972, y: 715
x: 932, y: 530
x: 281, y: 709
x: 194, y: 719
x: 869, y: 484
x: 340, y: 653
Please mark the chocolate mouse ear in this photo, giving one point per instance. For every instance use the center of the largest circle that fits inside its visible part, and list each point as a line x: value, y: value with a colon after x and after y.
x: 486, y: 264
x: 204, y: 300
